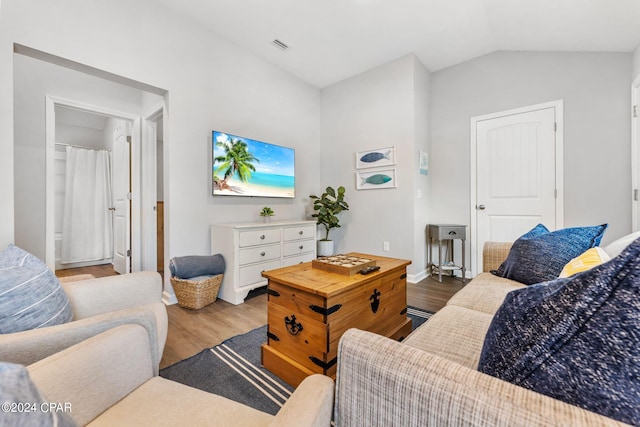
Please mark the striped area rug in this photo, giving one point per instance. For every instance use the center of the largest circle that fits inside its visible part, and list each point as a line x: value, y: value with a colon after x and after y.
x: 233, y: 370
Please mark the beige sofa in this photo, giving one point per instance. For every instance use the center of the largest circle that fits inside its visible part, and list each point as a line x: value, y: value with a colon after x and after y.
x: 97, y: 305
x: 431, y: 378
x: 108, y: 380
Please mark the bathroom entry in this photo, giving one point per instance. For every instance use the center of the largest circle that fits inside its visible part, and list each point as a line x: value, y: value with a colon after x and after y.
x: 91, y: 219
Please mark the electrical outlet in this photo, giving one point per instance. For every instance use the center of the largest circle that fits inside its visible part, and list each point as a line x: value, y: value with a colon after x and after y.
x: 385, y: 246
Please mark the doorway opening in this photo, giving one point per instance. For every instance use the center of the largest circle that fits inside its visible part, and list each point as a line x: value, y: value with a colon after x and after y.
x: 83, y: 187
x: 77, y: 88
x: 153, y: 146
x: 89, y: 203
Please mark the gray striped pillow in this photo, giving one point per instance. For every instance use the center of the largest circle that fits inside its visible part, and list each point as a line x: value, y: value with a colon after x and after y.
x: 30, y: 294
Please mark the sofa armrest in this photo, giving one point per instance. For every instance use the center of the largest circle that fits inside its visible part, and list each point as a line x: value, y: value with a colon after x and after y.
x: 493, y: 254
x: 382, y: 382
x: 28, y: 347
x: 95, y: 374
x: 311, y: 404
x: 96, y: 296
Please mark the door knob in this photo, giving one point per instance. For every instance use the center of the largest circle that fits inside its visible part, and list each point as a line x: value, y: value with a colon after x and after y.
x: 480, y: 207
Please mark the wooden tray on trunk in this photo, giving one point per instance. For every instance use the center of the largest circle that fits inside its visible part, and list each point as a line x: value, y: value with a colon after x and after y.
x: 342, y: 264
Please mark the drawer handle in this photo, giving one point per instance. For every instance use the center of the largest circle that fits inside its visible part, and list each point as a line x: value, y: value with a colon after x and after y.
x: 263, y: 253
x: 452, y: 233
x: 293, y: 327
x: 262, y: 237
x: 301, y: 246
x: 301, y: 232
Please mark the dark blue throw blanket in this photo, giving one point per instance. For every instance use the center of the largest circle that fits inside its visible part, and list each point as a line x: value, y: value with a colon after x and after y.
x: 186, y: 267
x: 574, y: 339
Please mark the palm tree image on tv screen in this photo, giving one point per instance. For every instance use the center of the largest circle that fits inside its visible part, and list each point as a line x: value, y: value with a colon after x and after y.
x: 246, y: 167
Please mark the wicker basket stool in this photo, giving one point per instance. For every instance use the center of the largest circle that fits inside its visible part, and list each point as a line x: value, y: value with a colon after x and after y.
x: 196, y: 294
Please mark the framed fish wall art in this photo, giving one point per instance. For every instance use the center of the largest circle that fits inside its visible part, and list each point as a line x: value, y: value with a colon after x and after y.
x: 376, y: 158
x: 370, y: 180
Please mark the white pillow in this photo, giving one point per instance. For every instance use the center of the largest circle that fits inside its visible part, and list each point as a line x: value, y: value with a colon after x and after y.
x: 615, y: 248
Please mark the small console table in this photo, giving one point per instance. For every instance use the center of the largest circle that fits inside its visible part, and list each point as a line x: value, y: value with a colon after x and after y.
x: 447, y: 233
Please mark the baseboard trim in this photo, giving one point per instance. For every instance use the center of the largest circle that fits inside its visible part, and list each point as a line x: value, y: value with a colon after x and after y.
x: 415, y: 278
x: 169, y: 299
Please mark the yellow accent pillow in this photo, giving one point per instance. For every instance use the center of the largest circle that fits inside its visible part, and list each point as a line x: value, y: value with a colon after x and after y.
x: 589, y: 259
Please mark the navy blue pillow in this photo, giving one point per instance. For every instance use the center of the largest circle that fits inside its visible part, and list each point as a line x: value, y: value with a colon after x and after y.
x: 575, y: 339
x: 540, y: 255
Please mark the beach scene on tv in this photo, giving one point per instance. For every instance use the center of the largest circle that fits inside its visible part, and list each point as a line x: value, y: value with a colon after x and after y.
x: 246, y: 167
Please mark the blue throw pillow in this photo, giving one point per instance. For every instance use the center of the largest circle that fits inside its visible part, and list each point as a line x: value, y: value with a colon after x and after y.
x: 575, y: 339
x: 540, y: 255
x: 30, y: 294
x: 24, y: 405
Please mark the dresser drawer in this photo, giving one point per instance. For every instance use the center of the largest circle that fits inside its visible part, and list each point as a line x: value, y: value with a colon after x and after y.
x: 298, y: 259
x: 443, y: 232
x: 258, y: 254
x: 298, y: 233
x: 299, y: 247
x: 251, y: 274
x: 258, y: 237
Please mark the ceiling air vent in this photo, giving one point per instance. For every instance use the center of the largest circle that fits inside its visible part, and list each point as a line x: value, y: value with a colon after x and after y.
x: 280, y: 45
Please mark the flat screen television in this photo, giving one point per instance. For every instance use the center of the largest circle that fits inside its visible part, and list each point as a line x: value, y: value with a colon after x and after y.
x: 246, y: 167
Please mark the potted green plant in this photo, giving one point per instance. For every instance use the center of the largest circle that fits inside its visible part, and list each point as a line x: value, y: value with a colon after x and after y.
x: 267, y: 213
x: 327, y: 208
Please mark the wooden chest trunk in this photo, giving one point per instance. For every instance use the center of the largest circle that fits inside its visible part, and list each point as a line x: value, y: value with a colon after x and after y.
x: 309, y: 309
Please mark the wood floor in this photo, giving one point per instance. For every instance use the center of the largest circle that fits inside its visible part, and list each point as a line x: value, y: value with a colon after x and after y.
x: 96, y: 270
x: 191, y: 331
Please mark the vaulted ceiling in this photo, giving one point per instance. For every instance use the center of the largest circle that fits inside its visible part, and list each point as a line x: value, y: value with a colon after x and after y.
x: 330, y: 40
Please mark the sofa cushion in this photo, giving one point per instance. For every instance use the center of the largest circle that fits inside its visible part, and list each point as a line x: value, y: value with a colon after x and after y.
x: 455, y: 333
x: 484, y: 293
x: 539, y: 255
x: 30, y: 294
x: 24, y: 405
x: 585, y: 261
x: 147, y: 405
x: 574, y: 339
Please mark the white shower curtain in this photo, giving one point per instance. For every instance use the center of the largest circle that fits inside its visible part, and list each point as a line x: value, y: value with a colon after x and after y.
x: 87, y: 228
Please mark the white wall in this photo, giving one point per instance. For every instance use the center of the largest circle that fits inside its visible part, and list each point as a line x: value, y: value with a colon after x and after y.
x: 636, y: 63
x: 595, y: 89
x: 377, y: 109
x: 79, y: 135
x: 210, y: 83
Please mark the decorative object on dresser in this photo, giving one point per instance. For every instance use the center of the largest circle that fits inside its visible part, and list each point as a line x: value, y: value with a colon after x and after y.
x: 309, y: 309
x: 251, y: 248
x: 327, y: 208
x: 267, y: 213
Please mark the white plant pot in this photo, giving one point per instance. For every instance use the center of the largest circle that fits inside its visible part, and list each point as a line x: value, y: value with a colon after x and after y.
x: 325, y: 247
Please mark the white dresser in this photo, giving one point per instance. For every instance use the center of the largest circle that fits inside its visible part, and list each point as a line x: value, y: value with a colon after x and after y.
x: 251, y: 248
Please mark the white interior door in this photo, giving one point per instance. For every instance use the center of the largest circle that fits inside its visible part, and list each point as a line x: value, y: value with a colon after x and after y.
x: 517, y: 177
x: 122, y: 200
